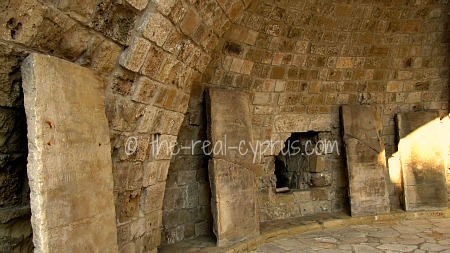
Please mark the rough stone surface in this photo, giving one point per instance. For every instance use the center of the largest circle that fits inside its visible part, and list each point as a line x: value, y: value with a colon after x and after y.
x: 234, y: 202
x: 422, y: 156
x: 69, y: 158
x: 300, y: 60
x: 230, y: 126
x: 115, y: 20
x: 233, y: 183
x: 15, y: 229
x: 366, y: 163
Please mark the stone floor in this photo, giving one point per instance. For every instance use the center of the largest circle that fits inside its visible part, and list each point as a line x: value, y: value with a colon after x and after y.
x: 398, y: 231
x: 428, y: 235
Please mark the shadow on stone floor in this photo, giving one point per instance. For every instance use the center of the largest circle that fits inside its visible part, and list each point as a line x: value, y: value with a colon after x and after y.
x: 327, y: 232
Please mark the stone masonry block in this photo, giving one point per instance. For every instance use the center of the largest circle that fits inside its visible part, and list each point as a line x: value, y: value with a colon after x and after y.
x: 190, y: 22
x: 167, y: 122
x: 344, y: 62
x: 147, y: 121
x: 162, y: 147
x: 155, y: 171
x: 79, y: 10
x: 134, y: 56
x: 127, y: 206
x: 156, y: 28
x: 165, y: 6
x: 115, y: 20
x: 236, y: 65
x: 105, y: 57
x: 133, y: 148
x: 18, y: 19
x: 152, y: 198
x: 153, y: 62
x: 316, y: 164
x: 124, y: 114
x: 394, y: 86
x: 174, y: 41
x: 235, y: 10
x: 251, y: 37
x: 145, y: 90
x: 138, y: 4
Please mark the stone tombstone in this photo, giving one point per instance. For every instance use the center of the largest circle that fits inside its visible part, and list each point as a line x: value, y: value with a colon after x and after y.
x: 421, y: 147
x: 69, y: 160
x: 234, y: 202
x: 233, y: 181
x: 366, y: 161
x: 230, y: 126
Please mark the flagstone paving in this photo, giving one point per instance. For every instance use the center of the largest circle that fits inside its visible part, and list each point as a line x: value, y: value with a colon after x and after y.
x: 417, y: 236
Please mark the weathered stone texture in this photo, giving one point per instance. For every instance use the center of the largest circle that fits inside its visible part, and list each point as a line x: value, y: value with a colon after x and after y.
x: 234, y: 202
x: 81, y: 11
x: 299, y: 60
x: 19, y: 19
x: 323, y: 55
x: 187, y: 202
x: 422, y: 155
x: 69, y: 158
x: 10, y: 89
x: 231, y: 171
x: 230, y: 129
x: 114, y: 20
x: 15, y: 227
x: 366, y: 161
x: 15, y: 230
x: 133, y: 57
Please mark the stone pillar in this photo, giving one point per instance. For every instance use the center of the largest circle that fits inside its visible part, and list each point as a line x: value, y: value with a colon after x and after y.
x: 69, y: 160
x: 366, y: 161
x: 422, y: 140
x: 232, y: 177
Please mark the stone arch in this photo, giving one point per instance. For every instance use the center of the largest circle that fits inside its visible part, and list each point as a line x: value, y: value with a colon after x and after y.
x: 157, y: 56
x: 170, y: 48
x: 149, y: 54
x: 302, y: 60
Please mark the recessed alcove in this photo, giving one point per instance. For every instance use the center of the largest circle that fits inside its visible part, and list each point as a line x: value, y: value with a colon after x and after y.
x: 300, y: 165
x: 308, y: 176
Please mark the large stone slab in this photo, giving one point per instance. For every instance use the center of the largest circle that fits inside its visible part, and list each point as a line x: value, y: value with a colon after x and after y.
x: 366, y: 161
x: 234, y: 202
x: 230, y: 126
x: 69, y: 161
x: 233, y: 182
x: 422, y: 155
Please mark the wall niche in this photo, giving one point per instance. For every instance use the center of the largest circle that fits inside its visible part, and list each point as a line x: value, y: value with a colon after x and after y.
x: 301, y: 164
x: 306, y: 177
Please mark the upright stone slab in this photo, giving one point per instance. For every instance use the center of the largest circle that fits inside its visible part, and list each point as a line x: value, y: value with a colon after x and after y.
x: 366, y: 162
x: 422, y: 156
x: 233, y: 182
x: 234, y: 202
x: 69, y: 161
x: 230, y: 125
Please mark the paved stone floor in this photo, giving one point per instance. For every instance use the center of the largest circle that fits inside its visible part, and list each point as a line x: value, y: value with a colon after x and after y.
x: 418, y: 236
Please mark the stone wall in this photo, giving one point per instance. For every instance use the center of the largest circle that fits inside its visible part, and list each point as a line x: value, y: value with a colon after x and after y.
x: 15, y: 227
x: 149, y: 54
x: 187, y: 201
x: 300, y: 60
x: 303, y: 59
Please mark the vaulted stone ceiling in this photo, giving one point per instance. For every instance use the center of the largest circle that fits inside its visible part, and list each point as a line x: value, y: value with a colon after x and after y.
x: 299, y: 59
